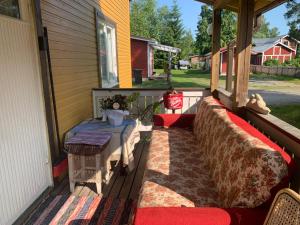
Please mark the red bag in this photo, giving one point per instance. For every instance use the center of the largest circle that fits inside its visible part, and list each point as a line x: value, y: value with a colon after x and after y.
x: 173, y: 100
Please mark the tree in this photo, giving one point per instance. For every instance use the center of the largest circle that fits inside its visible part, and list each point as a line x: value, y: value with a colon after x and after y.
x: 265, y: 31
x: 144, y: 18
x: 187, y: 45
x: 293, y: 17
x: 175, y: 23
x: 203, y: 40
x: 166, y: 36
x: 228, y: 28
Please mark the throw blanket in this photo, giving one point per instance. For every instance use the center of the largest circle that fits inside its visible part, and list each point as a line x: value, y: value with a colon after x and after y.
x: 124, y: 137
x: 88, y: 142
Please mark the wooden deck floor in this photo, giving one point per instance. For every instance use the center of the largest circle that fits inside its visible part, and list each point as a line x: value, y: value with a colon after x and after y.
x: 124, y: 186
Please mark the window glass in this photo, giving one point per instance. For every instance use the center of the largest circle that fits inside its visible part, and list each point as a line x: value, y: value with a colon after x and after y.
x: 10, y: 8
x: 107, y: 55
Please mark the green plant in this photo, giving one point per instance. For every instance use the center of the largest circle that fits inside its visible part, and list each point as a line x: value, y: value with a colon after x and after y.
x: 293, y: 63
x: 124, y: 102
x: 115, y: 102
x: 271, y: 62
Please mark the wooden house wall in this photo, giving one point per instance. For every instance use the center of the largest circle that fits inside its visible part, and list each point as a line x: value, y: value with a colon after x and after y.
x: 73, y: 51
x: 139, y: 56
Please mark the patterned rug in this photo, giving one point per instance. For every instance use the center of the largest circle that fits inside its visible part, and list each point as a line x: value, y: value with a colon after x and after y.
x: 85, y: 210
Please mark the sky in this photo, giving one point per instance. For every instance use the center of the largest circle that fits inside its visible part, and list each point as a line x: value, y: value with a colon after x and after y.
x: 190, y: 9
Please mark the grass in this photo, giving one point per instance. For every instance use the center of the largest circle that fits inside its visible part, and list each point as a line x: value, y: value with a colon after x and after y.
x: 288, y: 113
x: 181, y: 79
x: 200, y: 79
x: 268, y: 77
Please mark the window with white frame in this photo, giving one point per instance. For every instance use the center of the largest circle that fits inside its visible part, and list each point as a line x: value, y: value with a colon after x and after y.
x: 108, y: 67
x: 10, y: 8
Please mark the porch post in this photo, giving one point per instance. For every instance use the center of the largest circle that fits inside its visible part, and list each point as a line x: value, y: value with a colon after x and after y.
x: 243, y: 47
x: 215, y: 57
x: 230, y: 54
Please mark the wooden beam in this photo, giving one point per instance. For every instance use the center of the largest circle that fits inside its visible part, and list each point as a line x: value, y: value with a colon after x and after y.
x: 216, y: 44
x: 47, y: 82
x: 219, y: 4
x: 243, y: 55
x: 230, y: 56
x: 264, y: 6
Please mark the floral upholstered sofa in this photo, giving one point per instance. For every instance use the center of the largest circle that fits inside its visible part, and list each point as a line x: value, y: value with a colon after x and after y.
x: 212, y: 168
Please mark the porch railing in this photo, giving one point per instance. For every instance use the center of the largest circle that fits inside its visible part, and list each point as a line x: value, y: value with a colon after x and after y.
x: 191, y: 99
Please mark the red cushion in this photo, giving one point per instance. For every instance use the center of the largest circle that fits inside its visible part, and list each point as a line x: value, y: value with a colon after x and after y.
x: 174, y: 120
x: 199, y: 216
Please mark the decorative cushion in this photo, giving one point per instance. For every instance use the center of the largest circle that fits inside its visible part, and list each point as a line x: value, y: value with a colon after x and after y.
x: 242, y: 167
x: 176, y: 174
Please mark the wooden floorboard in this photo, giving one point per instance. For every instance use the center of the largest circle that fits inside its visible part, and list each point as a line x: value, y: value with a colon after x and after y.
x: 124, y: 186
x: 125, y: 191
x: 137, y: 182
x: 108, y: 187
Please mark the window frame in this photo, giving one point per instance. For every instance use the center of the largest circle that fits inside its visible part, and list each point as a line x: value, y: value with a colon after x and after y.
x: 100, y: 17
x: 19, y: 17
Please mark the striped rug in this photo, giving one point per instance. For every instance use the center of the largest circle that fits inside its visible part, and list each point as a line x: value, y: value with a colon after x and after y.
x: 85, y: 210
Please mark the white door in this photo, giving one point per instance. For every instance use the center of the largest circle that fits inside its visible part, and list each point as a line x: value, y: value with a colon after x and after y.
x: 24, y: 151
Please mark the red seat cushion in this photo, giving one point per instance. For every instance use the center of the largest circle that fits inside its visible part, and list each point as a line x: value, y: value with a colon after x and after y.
x: 199, y: 216
x: 174, y: 120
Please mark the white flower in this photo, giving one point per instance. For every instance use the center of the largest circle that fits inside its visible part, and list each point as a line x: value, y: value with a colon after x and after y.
x: 116, y: 105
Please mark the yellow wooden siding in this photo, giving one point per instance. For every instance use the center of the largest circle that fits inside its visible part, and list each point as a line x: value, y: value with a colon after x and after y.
x: 73, y: 50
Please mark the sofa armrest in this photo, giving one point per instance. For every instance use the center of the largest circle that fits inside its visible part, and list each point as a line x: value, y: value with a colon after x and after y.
x: 174, y: 120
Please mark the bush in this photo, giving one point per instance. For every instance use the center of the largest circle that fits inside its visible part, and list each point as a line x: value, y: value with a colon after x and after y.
x: 271, y: 62
x: 292, y: 63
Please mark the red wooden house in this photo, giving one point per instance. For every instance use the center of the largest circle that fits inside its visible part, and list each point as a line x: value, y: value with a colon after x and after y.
x: 142, y: 55
x: 282, y: 48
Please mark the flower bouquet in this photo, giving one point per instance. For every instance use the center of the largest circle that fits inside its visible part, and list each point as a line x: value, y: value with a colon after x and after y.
x: 115, y: 108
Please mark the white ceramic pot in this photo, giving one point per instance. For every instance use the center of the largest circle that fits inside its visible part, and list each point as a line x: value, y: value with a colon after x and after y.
x: 115, y: 116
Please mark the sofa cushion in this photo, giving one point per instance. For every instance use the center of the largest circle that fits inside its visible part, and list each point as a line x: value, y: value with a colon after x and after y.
x: 200, y: 216
x: 243, y: 168
x: 174, y: 120
x: 175, y: 172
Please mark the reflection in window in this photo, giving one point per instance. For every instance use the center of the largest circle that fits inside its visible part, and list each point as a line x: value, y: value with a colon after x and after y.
x: 10, y: 8
x: 107, y: 56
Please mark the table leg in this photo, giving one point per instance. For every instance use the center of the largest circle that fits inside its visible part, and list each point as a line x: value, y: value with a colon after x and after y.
x: 71, y: 172
x: 98, y: 173
x: 82, y: 163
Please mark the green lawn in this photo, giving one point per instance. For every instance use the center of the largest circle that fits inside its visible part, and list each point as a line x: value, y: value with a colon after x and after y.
x: 288, y: 113
x: 180, y: 79
x: 197, y: 78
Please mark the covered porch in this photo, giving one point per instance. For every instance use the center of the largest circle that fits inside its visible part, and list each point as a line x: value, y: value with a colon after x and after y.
x: 126, y: 187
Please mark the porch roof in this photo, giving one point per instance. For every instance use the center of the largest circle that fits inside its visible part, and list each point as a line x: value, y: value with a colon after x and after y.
x: 166, y: 48
x: 261, y: 6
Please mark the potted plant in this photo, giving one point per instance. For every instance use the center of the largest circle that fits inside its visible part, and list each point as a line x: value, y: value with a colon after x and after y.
x: 115, y: 108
